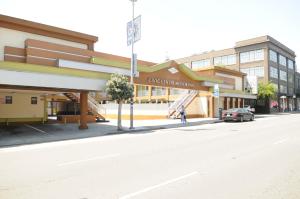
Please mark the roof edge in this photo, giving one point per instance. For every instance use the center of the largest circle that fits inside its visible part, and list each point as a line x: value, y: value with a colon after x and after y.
x: 48, y: 28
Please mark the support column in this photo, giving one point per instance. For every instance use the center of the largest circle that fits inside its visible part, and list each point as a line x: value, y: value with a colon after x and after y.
x: 211, y: 106
x: 51, y: 102
x: 150, y: 93
x: 231, y: 103
x: 167, y: 94
x: 225, y: 103
x: 83, y: 110
x: 236, y: 103
x: 228, y: 103
x: 45, y: 109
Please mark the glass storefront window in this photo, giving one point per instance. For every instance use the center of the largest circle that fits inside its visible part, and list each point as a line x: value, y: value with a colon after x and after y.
x: 142, y: 91
x: 176, y: 91
x: 274, y: 106
x: 158, y: 91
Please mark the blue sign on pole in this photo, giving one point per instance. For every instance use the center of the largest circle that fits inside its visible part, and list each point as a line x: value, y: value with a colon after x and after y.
x: 216, y: 92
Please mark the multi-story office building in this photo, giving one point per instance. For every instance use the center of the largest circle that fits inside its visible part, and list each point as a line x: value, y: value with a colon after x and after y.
x: 263, y: 59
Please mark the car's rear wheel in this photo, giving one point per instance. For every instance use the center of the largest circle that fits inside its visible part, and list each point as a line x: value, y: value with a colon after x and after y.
x: 242, y: 119
x: 252, y: 118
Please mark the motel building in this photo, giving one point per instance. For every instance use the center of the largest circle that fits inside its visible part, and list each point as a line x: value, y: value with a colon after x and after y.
x: 48, y: 72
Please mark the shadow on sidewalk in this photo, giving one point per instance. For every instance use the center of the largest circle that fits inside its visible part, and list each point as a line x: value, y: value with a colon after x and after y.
x: 25, y: 134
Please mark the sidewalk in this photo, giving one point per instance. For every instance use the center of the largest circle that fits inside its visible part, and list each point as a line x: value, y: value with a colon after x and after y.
x: 140, y: 125
x: 24, y: 134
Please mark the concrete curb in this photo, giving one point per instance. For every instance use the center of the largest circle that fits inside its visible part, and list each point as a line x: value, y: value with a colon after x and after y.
x: 172, y: 126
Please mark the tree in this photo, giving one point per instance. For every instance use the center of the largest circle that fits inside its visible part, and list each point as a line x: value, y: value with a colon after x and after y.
x: 120, y: 90
x: 266, y: 91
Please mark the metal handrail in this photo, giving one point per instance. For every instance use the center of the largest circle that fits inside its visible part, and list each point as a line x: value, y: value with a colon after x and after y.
x: 175, y: 108
x: 93, y: 104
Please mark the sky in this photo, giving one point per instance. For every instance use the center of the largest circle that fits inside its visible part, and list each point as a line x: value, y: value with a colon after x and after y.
x: 170, y: 28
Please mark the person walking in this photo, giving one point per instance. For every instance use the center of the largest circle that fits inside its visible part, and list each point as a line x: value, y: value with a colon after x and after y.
x: 183, y: 115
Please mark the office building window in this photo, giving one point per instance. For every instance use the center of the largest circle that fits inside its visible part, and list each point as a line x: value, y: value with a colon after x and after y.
x: 291, y: 91
x: 250, y: 56
x: 283, y: 89
x: 291, y: 64
x: 273, y: 72
x: 273, y: 56
x: 33, y: 100
x: 200, y: 63
x: 8, y: 99
x: 225, y: 60
x: 158, y: 91
x: 254, y: 71
x: 291, y: 77
x: 282, y: 75
x: 282, y: 60
x: 142, y: 90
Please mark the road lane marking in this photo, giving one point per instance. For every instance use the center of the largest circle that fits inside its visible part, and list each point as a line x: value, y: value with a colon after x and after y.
x: 39, y: 130
x: 281, y: 141
x: 158, y: 185
x: 89, y: 159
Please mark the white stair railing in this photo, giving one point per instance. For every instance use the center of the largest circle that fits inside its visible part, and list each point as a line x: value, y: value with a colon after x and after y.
x: 93, y: 104
x: 175, y: 108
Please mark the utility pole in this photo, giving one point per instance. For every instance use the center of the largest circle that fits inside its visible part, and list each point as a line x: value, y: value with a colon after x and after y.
x: 132, y: 63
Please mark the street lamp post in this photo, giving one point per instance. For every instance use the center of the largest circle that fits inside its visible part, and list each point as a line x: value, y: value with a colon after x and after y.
x: 132, y: 63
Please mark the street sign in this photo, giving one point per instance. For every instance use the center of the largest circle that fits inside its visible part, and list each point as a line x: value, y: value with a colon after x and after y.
x: 216, y: 92
x: 135, y: 33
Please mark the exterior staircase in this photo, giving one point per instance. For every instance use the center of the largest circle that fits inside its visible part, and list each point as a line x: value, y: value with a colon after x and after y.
x: 93, y: 106
x: 185, y: 100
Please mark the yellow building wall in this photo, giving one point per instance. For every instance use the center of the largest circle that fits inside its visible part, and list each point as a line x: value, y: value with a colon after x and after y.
x: 197, y: 108
x: 21, y: 107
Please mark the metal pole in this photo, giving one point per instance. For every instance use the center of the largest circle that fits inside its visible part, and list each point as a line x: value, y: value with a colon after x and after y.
x: 219, y: 113
x: 132, y: 62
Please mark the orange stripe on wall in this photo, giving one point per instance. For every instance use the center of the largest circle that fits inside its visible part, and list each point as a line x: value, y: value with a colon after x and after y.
x: 14, y: 51
x: 79, y: 51
x: 40, y: 61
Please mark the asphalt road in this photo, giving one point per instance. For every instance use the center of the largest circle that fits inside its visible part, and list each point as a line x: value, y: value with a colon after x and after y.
x: 250, y: 160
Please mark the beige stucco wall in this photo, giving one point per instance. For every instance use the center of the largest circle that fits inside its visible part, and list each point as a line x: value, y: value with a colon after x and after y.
x: 16, y: 38
x: 198, y: 106
x: 21, y: 106
x: 193, y: 107
x: 203, y: 104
